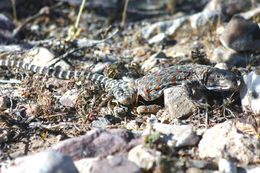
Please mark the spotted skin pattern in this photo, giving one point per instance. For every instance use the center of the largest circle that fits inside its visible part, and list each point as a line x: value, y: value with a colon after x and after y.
x: 150, y: 87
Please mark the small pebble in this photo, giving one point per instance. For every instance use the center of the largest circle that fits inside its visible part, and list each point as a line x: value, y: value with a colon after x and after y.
x: 4, y: 133
x: 101, y: 122
x: 39, y: 56
x: 150, y: 109
x: 133, y: 125
x: 144, y: 157
x: 158, y: 38
x: 153, y: 119
x: 178, y: 102
x: 120, y: 112
x: 70, y: 98
x: 5, y: 102
x: 32, y: 109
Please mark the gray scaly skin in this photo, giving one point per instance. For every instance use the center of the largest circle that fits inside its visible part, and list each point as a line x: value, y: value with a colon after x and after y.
x: 123, y: 91
x: 151, y: 86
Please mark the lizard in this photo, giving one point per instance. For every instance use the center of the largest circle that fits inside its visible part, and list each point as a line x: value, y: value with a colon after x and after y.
x: 150, y: 86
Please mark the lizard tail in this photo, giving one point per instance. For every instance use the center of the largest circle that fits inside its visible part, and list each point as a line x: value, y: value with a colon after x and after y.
x: 59, y: 73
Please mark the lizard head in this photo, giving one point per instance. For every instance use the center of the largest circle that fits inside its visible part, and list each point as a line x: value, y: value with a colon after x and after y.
x: 220, y: 80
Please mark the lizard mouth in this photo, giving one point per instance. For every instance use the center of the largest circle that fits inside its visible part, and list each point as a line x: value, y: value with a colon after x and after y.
x: 219, y: 88
x: 222, y: 86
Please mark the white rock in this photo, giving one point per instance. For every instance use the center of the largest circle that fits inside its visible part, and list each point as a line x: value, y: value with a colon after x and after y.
x: 133, y: 124
x: 156, y: 28
x: 226, y: 166
x: 153, y: 119
x: 201, y: 19
x: 176, y: 24
x: 250, y: 93
x: 63, y: 65
x: 70, y: 98
x: 44, y: 162
x: 35, y: 27
x: 4, y: 133
x: 157, y: 38
x: 253, y: 170
x: 221, y: 66
x: 226, y: 141
x: 100, y: 122
x: 144, y: 157
x: 39, y: 56
x: 99, y: 67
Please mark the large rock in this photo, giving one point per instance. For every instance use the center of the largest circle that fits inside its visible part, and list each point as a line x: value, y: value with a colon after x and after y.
x: 241, y: 35
x: 44, y: 162
x: 250, y: 92
x: 229, y: 7
x: 201, y: 22
x: 226, y: 141
x: 98, y: 143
